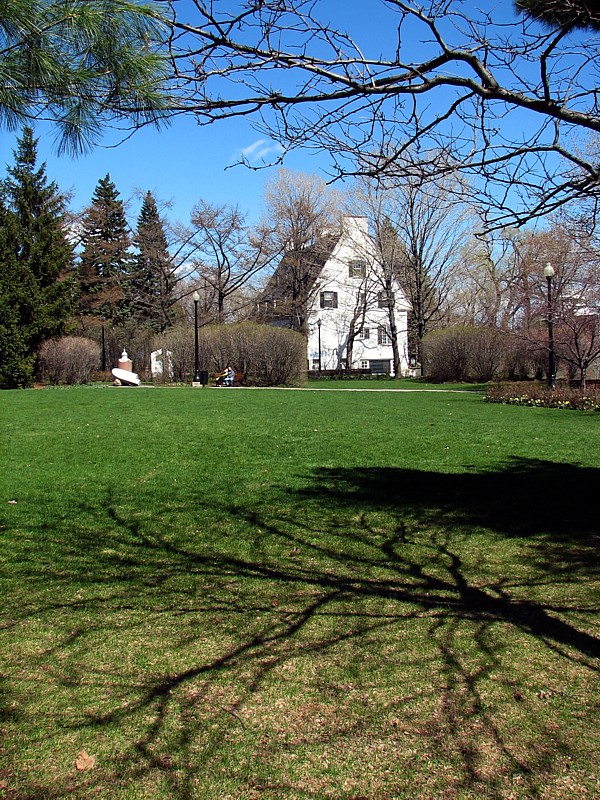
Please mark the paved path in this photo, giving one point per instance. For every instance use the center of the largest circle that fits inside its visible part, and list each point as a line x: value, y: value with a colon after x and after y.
x: 350, y: 389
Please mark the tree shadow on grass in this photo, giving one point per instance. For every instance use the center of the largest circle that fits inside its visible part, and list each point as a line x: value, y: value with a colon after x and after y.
x: 357, y: 583
x: 553, y: 506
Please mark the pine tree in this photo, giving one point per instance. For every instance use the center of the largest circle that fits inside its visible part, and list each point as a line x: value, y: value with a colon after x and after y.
x: 36, y: 261
x: 105, y: 264
x: 566, y: 13
x: 82, y: 64
x: 154, y: 275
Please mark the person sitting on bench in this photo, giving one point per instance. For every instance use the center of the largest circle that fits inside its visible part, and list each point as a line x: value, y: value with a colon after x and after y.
x: 228, y: 376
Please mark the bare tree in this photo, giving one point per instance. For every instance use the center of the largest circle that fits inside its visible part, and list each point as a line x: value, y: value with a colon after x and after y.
x: 578, y: 340
x: 576, y: 306
x: 496, y: 94
x: 498, y: 281
x: 228, y: 255
x: 358, y: 316
x: 301, y: 222
x: 380, y: 285
x: 502, y: 285
x: 419, y: 232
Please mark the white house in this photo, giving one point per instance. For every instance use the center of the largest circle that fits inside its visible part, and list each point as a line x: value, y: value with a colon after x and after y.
x: 349, y: 306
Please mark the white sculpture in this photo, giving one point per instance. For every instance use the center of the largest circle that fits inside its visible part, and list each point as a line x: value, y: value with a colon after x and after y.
x: 123, y: 373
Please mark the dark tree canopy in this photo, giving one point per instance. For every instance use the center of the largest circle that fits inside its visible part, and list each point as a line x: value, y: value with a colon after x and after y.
x: 105, y: 265
x: 154, y: 278
x: 563, y: 13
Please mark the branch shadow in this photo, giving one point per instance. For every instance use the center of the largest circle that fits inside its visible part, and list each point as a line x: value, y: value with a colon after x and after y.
x: 340, y: 566
x: 555, y: 503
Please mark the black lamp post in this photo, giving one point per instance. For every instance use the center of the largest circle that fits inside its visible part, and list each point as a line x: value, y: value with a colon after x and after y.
x: 197, y: 378
x: 549, y: 274
x: 319, y: 333
x: 103, y: 347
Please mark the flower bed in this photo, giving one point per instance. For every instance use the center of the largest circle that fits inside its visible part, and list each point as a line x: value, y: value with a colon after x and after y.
x: 540, y: 396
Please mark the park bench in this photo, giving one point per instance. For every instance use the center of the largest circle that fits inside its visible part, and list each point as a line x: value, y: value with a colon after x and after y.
x: 238, y: 379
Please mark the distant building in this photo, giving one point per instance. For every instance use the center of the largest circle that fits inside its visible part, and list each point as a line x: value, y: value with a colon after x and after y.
x: 161, y: 364
x: 337, y: 293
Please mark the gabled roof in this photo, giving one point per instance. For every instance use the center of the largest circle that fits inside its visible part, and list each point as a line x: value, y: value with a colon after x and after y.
x: 299, y: 268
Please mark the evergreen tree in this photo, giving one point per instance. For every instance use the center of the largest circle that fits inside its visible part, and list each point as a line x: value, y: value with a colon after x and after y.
x: 105, y: 264
x: 154, y: 275
x: 583, y: 14
x: 82, y: 63
x: 36, y: 259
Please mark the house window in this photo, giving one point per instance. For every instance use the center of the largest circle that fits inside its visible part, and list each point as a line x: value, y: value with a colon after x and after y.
x: 385, y: 299
x: 329, y: 299
x: 364, y: 365
x: 383, y: 336
x: 357, y: 269
x: 315, y: 363
x: 364, y: 333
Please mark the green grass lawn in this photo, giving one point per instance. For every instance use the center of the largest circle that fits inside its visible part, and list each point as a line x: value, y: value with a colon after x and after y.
x: 264, y: 594
x: 410, y: 384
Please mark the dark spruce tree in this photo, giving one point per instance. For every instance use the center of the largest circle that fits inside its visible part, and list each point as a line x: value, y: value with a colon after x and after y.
x: 154, y: 278
x: 37, y: 289
x: 105, y: 264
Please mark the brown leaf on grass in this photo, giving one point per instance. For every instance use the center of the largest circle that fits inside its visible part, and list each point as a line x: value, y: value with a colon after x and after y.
x: 12, y: 502
x: 83, y: 761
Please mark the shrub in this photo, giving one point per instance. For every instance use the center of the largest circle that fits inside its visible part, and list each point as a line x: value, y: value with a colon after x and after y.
x: 277, y: 356
x: 463, y: 354
x: 523, y: 359
x: 70, y: 360
x: 267, y: 356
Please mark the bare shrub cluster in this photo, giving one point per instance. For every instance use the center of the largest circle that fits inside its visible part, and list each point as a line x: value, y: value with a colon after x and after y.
x: 463, y: 354
x: 266, y: 355
x: 69, y: 360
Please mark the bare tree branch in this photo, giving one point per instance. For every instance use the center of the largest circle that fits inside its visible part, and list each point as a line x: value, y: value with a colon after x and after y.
x: 506, y: 100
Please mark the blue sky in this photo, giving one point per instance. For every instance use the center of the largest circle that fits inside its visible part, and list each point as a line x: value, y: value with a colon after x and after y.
x: 184, y: 163
x: 179, y: 164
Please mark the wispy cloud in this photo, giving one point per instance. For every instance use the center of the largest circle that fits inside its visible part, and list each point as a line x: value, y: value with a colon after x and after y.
x: 261, y: 151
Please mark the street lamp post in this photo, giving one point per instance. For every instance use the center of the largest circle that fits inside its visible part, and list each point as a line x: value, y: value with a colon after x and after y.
x: 549, y: 274
x: 103, y: 347
x: 319, y: 335
x: 197, y: 379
